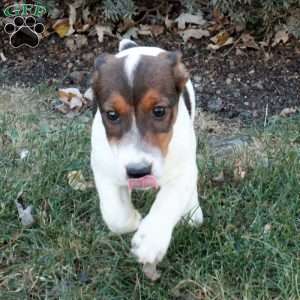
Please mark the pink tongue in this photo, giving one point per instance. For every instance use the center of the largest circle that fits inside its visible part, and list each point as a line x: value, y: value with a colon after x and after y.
x: 147, y: 181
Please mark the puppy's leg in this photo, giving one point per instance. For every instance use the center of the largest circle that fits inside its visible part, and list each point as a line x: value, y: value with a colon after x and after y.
x: 151, y: 241
x: 117, y: 210
x: 194, y: 211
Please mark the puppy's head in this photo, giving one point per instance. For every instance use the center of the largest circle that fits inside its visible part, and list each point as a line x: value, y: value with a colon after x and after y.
x: 137, y: 97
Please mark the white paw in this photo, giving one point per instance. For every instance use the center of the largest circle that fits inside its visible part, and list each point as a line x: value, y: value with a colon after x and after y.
x: 195, y: 217
x: 150, y: 243
x: 126, y: 226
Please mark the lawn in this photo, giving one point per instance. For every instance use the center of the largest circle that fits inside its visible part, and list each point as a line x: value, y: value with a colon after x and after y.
x: 247, y: 248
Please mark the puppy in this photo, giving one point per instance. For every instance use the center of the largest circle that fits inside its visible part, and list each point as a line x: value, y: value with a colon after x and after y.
x: 143, y: 137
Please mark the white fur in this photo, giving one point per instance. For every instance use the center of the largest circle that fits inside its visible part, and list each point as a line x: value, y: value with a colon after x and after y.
x: 131, y: 63
x: 176, y: 174
x: 123, y: 43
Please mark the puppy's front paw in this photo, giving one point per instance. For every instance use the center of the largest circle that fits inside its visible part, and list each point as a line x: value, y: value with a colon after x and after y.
x: 150, y: 242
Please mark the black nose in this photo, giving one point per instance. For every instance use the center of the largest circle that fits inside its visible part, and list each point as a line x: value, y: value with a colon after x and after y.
x: 138, y: 170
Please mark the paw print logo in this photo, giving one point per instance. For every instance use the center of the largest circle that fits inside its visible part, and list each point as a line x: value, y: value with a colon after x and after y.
x: 24, y: 32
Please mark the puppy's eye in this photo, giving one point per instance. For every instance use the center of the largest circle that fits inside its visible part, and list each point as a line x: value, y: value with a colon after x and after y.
x: 112, y: 116
x: 159, y: 112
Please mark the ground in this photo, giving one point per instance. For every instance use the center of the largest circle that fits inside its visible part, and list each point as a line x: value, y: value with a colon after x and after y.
x: 248, y: 246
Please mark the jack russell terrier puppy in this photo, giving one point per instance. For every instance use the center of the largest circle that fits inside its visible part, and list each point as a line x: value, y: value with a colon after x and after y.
x: 143, y: 137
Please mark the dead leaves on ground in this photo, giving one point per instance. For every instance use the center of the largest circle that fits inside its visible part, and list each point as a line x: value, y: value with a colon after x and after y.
x: 73, y: 101
x: 236, y: 174
x: 188, y: 26
x: 77, y: 181
x: 281, y: 36
x: 194, y: 33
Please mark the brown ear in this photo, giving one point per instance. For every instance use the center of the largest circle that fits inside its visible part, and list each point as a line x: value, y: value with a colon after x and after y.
x: 102, y: 59
x: 180, y: 73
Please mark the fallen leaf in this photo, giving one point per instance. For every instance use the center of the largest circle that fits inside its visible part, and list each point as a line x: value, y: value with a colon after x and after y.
x: 144, y: 30
x: 72, y: 19
x: 25, y: 214
x: 131, y: 33
x: 280, y: 36
x: 168, y: 23
x: 77, y: 182
x: 84, y: 28
x: 2, y: 56
x: 186, y: 18
x: 86, y: 14
x: 248, y: 41
x: 221, y: 38
x: 61, y: 27
x: 193, y: 33
x: 157, y: 29
x: 71, y: 97
x: 76, y: 41
x: 101, y: 31
x: 286, y: 112
x: 125, y: 25
x: 239, y: 173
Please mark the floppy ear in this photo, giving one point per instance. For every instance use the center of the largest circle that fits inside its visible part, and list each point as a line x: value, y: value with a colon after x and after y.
x: 101, y: 60
x: 180, y: 73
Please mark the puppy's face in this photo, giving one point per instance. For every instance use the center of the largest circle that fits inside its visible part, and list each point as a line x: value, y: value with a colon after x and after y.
x: 138, y: 102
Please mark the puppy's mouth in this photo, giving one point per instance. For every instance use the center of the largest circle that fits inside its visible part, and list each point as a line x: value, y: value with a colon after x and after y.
x: 148, y: 181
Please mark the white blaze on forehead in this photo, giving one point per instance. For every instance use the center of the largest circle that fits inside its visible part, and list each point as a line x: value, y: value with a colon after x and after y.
x: 131, y: 63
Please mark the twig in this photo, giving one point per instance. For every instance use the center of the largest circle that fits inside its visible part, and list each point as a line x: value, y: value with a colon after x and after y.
x: 266, y: 115
x: 233, y: 46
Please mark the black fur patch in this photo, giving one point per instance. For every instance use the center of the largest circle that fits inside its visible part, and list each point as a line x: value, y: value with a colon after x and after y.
x: 187, y: 100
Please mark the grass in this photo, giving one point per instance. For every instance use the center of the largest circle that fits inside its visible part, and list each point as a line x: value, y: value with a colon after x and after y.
x: 248, y: 247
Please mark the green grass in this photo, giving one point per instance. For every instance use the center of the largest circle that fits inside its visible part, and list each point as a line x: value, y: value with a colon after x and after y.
x: 248, y: 247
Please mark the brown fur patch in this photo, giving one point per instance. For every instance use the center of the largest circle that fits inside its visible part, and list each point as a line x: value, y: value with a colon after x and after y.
x: 119, y: 104
x: 160, y: 140
x: 149, y: 100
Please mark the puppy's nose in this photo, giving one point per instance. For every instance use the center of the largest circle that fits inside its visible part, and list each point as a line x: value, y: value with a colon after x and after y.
x: 138, y: 170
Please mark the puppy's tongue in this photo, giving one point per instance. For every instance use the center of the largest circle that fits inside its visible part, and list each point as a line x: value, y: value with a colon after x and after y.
x: 147, y: 181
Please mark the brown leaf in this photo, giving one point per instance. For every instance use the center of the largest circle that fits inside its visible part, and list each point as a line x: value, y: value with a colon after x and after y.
x: 248, y: 41
x: 157, y: 29
x: 193, y: 33
x: 280, y: 36
x: 239, y: 172
x: 144, y: 30
x: 72, y: 98
x: 61, y: 27
x: 125, y: 25
x: 186, y: 18
x: 101, y: 31
x: 77, y: 182
x: 221, y: 38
